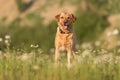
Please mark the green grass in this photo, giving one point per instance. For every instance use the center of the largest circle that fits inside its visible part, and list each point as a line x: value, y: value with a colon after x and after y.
x: 21, y: 61
x: 36, y: 65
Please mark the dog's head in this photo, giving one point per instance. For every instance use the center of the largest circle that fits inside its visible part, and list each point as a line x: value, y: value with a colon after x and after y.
x: 65, y: 20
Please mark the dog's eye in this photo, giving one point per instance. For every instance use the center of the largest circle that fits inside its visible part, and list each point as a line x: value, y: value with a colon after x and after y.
x: 61, y: 17
x: 68, y: 18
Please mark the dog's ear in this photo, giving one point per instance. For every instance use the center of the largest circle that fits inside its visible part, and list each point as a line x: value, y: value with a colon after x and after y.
x: 57, y: 17
x: 73, y: 18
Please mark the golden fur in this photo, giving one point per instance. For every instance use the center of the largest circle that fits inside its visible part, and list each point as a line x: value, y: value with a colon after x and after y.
x: 65, y: 36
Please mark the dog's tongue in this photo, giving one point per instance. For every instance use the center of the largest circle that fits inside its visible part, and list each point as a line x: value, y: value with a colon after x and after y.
x: 64, y: 27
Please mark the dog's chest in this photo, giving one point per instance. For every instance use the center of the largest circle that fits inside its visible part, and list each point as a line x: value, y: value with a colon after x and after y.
x: 66, y: 39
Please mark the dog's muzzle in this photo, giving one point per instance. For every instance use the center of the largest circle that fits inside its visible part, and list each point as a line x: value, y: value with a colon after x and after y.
x: 65, y: 25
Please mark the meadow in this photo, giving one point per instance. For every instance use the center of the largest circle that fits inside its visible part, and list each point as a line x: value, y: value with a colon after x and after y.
x: 91, y: 64
x: 27, y: 42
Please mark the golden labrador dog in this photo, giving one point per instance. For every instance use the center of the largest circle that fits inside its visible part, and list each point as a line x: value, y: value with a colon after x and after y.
x: 65, y: 36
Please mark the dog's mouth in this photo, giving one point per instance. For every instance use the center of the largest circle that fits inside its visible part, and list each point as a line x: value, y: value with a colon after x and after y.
x: 65, y: 25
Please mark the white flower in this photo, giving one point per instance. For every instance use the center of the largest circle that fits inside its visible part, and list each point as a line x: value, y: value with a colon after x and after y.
x: 1, y: 39
x: 31, y: 45
x: 35, y: 67
x: 86, y: 53
x: 107, y: 57
x: 86, y: 45
x: 6, y: 41
x: 115, y: 32
x: 109, y: 34
x: 34, y: 46
x: 97, y: 60
x: 7, y: 36
x: 24, y: 57
x: 97, y: 43
x: 103, y: 51
x: 40, y: 50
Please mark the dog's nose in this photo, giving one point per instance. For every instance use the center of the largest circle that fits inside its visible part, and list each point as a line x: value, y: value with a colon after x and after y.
x: 65, y: 22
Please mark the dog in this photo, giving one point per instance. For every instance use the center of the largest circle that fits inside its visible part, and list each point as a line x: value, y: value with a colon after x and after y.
x: 65, y: 36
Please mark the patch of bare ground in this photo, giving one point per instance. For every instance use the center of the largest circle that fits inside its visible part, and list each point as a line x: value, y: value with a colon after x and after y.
x: 8, y: 10
x: 49, y: 13
x: 114, y: 20
x: 111, y: 34
x: 36, y: 5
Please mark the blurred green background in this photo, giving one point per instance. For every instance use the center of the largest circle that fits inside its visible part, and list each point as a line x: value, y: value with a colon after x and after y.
x: 29, y: 23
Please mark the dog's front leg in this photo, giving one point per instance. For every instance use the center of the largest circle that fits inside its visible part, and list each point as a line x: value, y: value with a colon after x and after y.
x: 69, y: 58
x: 57, y: 54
